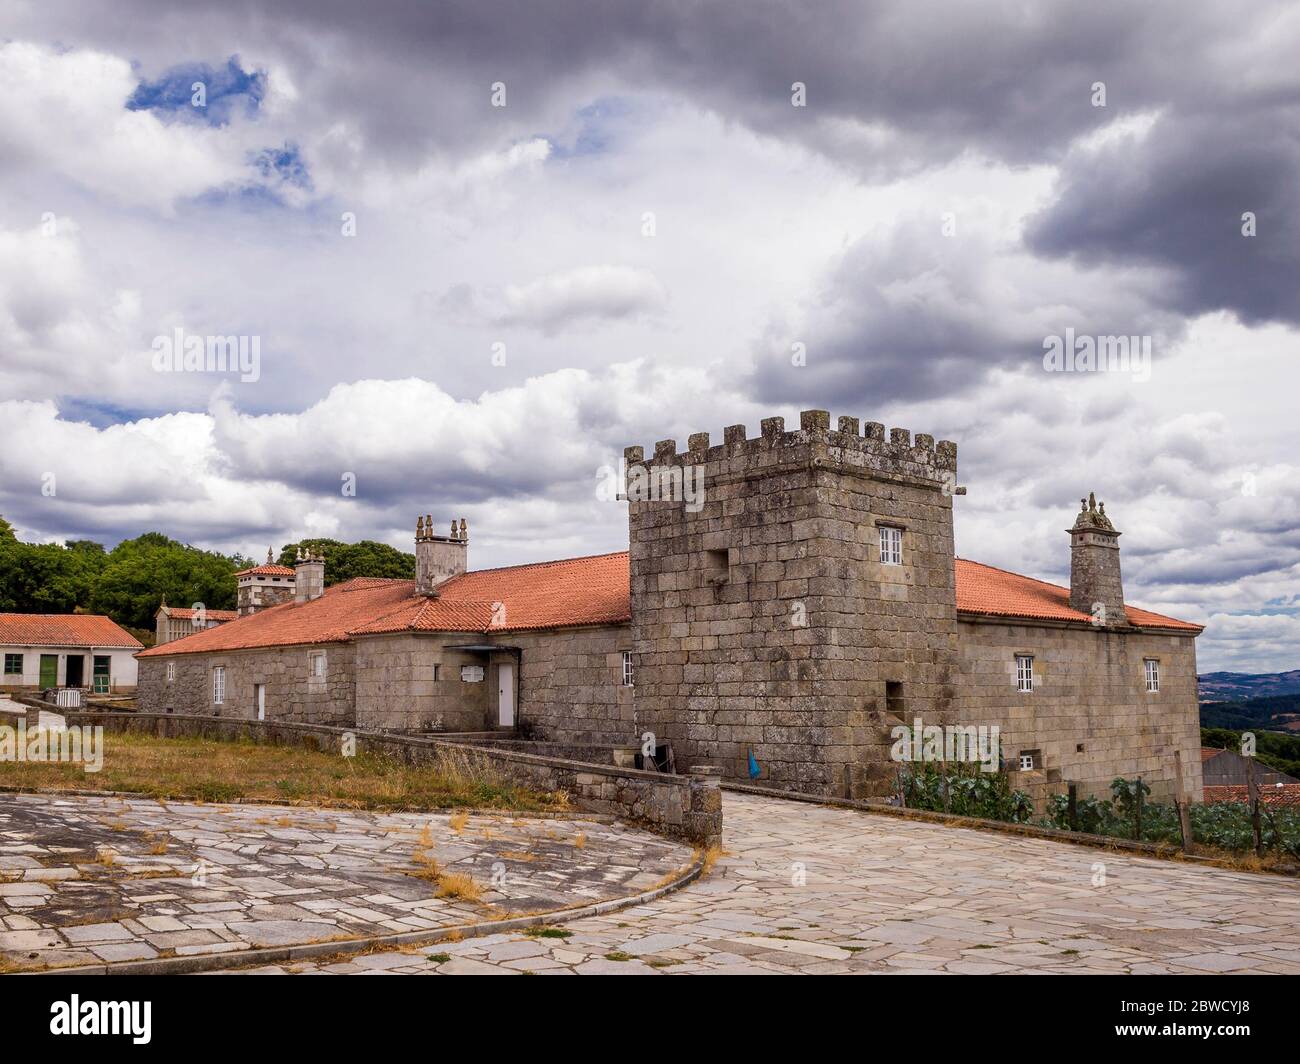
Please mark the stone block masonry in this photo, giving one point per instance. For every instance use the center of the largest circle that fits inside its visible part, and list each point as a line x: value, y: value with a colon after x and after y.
x: 687, y: 807
x: 767, y: 621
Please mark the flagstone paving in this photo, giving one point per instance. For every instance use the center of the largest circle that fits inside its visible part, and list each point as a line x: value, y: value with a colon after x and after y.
x: 84, y: 880
x: 807, y: 889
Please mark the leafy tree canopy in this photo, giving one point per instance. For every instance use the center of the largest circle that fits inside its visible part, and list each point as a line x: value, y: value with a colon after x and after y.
x: 129, y: 582
x: 344, y: 561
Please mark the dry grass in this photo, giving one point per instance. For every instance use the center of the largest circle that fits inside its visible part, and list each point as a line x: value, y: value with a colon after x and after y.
x: 459, y: 885
x: 426, y: 866
x: 709, y: 858
x: 580, y: 840
x: 458, y: 820
x: 158, y: 849
x: 193, y: 769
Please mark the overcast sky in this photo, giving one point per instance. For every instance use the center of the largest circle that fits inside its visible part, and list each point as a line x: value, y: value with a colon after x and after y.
x: 472, y: 308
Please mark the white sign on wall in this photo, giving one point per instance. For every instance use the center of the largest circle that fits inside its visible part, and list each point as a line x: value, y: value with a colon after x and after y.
x: 471, y: 673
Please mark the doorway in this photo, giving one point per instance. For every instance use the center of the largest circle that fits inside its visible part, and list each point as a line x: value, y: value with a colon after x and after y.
x: 101, y: 674
x: 506, y: 694
x: 75, y: 672
x: 49, y: 670
x: 259, y: 700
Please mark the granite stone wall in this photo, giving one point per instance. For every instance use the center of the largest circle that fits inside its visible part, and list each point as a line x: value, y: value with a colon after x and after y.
x: 764, y: 621
x: 571, y: 686
x: 688, y: 807
x: 1089, y: 715
x: 292, y: 692
x: 398, y: 688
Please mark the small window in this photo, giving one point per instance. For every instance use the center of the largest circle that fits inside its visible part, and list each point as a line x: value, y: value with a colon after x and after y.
x: 437, y: 673
x: 1030, y: 760
x: 891, y: 546
x: 717, y: 566
x: 894, y: 698
x: 627, y: 668
x: 171, y: 671
x: 218, y: 685
x: 316, y: 665
x: 1153, y: 674
x: 13, y: 664
x: 1024, y: 673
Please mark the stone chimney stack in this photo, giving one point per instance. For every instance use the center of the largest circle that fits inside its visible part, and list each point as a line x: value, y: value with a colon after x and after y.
x: 438, y: 558
x: 1095, y: 585
x: 308, y: 576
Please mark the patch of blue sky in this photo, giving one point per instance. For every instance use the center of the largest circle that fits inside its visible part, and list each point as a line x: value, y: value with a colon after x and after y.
x: 227, y: 91
x: 275, y: 171
x: 597, y: 128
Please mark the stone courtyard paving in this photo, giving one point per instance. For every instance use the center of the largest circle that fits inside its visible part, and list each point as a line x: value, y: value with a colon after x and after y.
x: 88, y: 880
x: 885, y: 895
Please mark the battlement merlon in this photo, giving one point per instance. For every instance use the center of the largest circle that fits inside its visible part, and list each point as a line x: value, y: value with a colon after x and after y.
x: 868, y: 452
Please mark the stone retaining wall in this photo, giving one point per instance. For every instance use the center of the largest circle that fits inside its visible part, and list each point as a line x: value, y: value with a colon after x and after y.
x: 685, y: 807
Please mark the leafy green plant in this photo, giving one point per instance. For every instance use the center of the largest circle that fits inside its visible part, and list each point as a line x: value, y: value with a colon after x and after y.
x: 969, y: 791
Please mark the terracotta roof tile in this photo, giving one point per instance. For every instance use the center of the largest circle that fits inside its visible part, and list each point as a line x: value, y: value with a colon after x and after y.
x: 187, y: 614
x: 267, y: 570
x: 560, y: 594
x: 994, y: 592
x: 563, y: 594
x: 1269, y: 794
x: 57, y: 629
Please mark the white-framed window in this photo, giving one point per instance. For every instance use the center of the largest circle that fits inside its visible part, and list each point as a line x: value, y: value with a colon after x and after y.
x: 316, y: 665
x: 627, y: 668
x: 1025, y: 672
x: 218, y: 684
x: 171, y: 671
x: 1152, y: 674
x: 891, y: 545
x: 1030, y: 760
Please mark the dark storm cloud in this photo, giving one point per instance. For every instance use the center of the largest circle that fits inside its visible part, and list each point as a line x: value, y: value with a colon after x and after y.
x: 892, y: 87
x: 1178, y: 201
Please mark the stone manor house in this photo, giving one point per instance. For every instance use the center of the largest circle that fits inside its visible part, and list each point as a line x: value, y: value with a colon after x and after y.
x: 810, y: 604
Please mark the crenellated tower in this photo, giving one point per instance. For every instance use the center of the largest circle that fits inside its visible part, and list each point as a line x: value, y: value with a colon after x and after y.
x: 793, y: 596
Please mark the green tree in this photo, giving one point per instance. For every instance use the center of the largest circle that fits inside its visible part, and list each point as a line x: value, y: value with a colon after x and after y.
x: 139, y: 573
x: 345, y: 561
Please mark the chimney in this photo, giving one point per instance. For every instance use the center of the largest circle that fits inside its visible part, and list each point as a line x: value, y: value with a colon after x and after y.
x: 308, y: 576
x: 438, y: 558
x: 1095, y: 585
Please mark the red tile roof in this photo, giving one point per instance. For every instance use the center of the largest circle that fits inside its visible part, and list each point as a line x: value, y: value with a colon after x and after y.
x: 63, y: 630
x: 186, y: 614
x: 983, y: 589
x: 266, y: 570
x: 561, y: 594
x: 1269, y: 794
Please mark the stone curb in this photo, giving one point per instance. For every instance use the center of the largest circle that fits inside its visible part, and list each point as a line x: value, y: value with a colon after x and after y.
x: 473, y: 810
x: 1160, y: 851
x: 279, y: 954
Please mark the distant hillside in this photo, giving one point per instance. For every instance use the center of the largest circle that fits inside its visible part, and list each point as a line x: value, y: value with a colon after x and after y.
x: 1281, y: 714
x: 1236, y: 686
